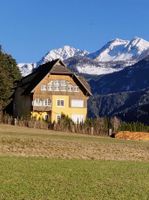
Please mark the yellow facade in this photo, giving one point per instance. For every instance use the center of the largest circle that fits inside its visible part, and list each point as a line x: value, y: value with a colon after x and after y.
x: 66, y: 109
x: 55, y: 110
x: 59, y: 110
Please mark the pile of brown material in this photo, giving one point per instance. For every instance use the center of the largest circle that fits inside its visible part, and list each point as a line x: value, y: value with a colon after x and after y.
x: 132, y: 135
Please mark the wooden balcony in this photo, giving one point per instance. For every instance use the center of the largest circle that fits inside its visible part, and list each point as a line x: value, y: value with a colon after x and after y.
x: 42, y: 105
x: 42, y: 108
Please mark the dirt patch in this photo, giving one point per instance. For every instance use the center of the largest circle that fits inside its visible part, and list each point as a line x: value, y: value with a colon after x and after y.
x: 132, y: 135
x: 73, y: 149
x: 26, y: 142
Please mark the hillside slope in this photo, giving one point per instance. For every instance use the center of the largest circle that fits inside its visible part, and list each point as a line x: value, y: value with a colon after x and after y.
x: 132, y: 78
x: 124, y: 94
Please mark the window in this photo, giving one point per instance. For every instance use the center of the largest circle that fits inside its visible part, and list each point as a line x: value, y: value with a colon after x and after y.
x: 70, y: 88
x: 36, y: 102
x: 58, y: 117
x: 49, y: 88
x: 63, y: 88
x: 41, y: 102
x: 60, y: 102
x: 77, y: 118
x: 57, y: 88
x: 43, y: 88
x: 56, y: 83
x: 49, y: 102
x: 63, y: 83
x: 46, y: 102
x: 60, y: 85
x: 53, y: 88
x: 78, y: 103
x: 76, y: 89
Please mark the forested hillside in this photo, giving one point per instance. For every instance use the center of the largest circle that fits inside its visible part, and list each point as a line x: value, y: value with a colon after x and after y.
x: 124, y: 94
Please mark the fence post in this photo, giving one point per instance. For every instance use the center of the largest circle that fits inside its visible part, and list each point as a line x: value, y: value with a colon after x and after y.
x: 92, y: 130
x: 110, y: 132
x: 15, y: 121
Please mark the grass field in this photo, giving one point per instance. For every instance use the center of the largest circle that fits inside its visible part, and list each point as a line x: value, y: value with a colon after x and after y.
x: 40, y: 165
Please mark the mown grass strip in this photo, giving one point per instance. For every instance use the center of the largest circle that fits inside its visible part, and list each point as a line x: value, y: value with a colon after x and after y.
x: 45, y: 179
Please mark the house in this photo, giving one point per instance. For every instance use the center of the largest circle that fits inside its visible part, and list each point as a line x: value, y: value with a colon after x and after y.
x: 52, y: 89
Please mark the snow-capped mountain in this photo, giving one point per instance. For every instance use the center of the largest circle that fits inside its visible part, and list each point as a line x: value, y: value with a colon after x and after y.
x: 109, y: 51
x: 26, y: 68
x: 114, y: 56
x: 121, y: 50
x: 63, y: 54
x: 86, y: 65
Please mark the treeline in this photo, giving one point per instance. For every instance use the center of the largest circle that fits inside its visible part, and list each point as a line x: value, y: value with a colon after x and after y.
x: 133, y: 127
x: 97, y: 126
x: 9, y: 73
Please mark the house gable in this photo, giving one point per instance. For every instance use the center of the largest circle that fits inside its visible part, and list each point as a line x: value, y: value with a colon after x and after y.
x: 50, y: 90
x: 56, y: 67
x: 58, y: 84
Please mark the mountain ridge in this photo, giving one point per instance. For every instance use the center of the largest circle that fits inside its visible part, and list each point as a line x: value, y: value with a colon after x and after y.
x: 113, y: 56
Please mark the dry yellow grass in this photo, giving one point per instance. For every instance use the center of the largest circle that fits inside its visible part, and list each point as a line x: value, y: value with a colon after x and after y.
x: 20, y: 141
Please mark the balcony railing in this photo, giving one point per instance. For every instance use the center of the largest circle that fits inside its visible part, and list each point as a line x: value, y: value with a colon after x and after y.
x: 42, y: 108
x: 42, y: 105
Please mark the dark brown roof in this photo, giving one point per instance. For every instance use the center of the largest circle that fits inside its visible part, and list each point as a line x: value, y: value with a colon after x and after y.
x: 85, y: 83
x: 60, y: 68
x: 29, y: 82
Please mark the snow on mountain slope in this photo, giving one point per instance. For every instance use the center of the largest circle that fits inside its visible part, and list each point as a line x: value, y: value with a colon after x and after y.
x: 95, y: 70
x: 87, y: 65
x: 109, y: 51
x: 63, y: 54
x: 114, y: 56
x: 121, y: 50
x: 26, y: 68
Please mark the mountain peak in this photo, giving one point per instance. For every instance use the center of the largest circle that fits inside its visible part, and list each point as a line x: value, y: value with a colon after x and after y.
x: 62, y: 53
x: 137, y: 40
x: 116, y: 43
x: 113, y: 56
x: 137, y: 46
x: 110, y: 50
x: 67, y: 47
x: 121, y: 50
x: 118, y: 40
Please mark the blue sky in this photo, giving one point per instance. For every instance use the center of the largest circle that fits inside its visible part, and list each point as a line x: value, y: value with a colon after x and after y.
x: 30, y: 28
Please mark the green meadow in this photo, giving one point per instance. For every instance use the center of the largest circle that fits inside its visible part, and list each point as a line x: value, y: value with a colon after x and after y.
x: 42, y: 165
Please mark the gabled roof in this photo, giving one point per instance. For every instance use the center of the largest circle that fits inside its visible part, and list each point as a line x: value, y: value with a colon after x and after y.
x: 84, y: 83
x: 29, y: 82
